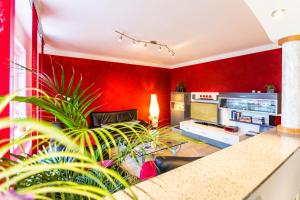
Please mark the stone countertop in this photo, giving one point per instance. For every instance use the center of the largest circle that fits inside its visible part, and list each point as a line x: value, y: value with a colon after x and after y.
x: 230, y: 174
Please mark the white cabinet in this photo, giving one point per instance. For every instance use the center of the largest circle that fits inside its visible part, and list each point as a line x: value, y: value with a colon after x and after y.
x: 210, y: 132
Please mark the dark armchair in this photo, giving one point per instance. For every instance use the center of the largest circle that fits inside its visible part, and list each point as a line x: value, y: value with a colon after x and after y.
x: 167, y: 163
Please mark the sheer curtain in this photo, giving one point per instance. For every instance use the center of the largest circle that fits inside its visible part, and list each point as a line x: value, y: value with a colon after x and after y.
x: 18, y: 84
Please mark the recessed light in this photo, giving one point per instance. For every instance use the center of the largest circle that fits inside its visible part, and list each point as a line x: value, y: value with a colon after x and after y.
x: 278, y: 13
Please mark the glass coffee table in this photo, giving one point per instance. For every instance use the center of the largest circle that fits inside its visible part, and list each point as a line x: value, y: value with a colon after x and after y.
x: 147, y: 149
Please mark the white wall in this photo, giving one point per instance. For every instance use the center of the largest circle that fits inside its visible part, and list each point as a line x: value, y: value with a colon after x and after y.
x: 283, y: 184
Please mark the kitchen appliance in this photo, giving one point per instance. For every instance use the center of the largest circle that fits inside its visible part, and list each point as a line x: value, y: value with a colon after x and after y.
x: 180, y: 107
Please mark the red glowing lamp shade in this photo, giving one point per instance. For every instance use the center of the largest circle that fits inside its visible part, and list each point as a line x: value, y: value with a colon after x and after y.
x: 154, y: 110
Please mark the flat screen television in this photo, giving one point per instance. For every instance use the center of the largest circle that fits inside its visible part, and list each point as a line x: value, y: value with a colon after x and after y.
x: 205, y: 112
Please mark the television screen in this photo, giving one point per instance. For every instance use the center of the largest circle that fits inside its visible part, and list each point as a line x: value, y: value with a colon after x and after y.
x: 207, y: 112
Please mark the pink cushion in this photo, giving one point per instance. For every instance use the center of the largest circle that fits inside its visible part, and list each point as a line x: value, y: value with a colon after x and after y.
x: 148, y: 170
x: 106, y: 163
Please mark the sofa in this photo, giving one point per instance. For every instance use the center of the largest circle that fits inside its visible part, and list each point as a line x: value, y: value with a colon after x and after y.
x: 105, y: 118
x: 163, y: 164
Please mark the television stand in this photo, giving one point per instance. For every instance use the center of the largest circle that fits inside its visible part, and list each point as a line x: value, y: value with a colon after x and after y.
x: 213, y: 135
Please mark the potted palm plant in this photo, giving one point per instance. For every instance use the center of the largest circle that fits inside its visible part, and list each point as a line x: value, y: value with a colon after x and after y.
x: 180, y: 87
x: 78, y: 170
x: 69, y: 174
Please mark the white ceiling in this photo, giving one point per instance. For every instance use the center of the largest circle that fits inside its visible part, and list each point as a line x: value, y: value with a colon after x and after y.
x: 196, y: 29
x: 23, y: 18
x: 286, y: 25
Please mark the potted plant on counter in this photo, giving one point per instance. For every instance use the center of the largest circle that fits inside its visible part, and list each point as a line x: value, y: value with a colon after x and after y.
x: 270, y: 88
x: 180, y: 87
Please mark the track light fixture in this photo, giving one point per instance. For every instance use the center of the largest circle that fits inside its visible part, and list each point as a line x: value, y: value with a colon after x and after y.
x: 145, y: 43
x: 160, y: 48
x: 120, y: 38
x: 133, y: 42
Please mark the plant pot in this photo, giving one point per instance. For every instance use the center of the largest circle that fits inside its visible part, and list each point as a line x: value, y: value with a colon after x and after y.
x: 180, y: 89
x: 271, y: 90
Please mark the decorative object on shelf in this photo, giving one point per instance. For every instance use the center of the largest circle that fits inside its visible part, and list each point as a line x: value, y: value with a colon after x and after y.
x: 270, y: 88
x: 145, y: 43
x: 247, y: 119
x: 258, y: 120
x: 2, y: 18
x: 180, y: 87
x: 238, y: 115
x: 233, y: 115
x: 154, y: 111
x: 232, y: 129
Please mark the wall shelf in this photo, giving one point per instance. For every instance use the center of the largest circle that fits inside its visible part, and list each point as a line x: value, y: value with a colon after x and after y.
x: 265, y: 103
x: 232, y: 120
x: 250, y: 111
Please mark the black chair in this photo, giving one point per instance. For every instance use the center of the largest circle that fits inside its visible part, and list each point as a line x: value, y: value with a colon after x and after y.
x: 167, y: 163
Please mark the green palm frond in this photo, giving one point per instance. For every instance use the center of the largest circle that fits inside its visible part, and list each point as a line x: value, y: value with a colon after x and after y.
x: 43, y: 170
x: 70, y: 105
x: 54, y: 174
x: 67, y: 165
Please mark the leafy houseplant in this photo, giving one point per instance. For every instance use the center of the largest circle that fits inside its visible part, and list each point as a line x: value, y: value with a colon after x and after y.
x: 75, y: 171
x: 48, y: 174
x: 270, y: 88
x: 180, y: 87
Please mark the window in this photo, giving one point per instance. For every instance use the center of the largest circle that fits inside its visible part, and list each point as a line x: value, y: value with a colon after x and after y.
x: 18, y: 83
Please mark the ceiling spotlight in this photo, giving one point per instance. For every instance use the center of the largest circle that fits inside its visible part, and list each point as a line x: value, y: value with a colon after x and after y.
x: 278, y: 13
x: 144, y: 43
x: 120, y: 38
x: 133, y: 42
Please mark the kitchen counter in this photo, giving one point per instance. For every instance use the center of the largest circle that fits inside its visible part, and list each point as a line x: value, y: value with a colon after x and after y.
x: 233, y: 173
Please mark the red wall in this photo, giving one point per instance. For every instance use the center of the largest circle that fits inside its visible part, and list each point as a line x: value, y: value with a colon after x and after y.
x: 7, y: 48
x: 238, y: 74
x: 6, y: 45
x: 123, y: 86
x: 127, y: 86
